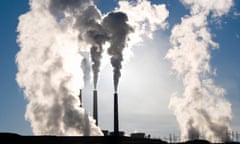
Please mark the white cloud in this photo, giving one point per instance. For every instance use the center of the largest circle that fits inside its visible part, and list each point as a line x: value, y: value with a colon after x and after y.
x: 218, y: 8
x: 145, y: 17
x: 236, y: 13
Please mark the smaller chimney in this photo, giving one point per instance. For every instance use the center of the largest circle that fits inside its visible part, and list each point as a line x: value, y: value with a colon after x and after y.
x: 95, y: 106
x: 116, y: 126
x: 80, y: 98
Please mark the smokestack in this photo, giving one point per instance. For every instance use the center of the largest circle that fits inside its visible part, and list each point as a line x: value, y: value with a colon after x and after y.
x: 80, y: 98
x: 116, y: 128
x: 95, y: 107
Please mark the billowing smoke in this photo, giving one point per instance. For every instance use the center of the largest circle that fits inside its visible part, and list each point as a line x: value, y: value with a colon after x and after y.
x: 86, y: 68
x: 202, y: 109
x: 141, y: 21
x: 144, y: 17
x: 95, y: 35
x: 51, y: 36
x: 117, y: 28
x: 52, y: 64
x: 87, y: 22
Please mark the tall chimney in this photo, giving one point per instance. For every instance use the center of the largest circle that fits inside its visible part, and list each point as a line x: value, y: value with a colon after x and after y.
x: 80, y: 98
x: 116, y: 128
x: 95, y: 106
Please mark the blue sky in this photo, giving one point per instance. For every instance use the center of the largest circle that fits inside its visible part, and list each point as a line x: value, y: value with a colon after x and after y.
x: 160, y: 120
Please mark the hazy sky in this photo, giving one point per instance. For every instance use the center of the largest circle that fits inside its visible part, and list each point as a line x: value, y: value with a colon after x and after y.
x: 147, y: 82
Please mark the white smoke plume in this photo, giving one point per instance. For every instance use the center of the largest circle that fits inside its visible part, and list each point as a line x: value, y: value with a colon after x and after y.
x: 141, y: 21
x: 202, y: 109
x: 88, y: 19
x: 49, y: 67
x: 52, y: 64
x: 144, y: 17
x: 86, y: 67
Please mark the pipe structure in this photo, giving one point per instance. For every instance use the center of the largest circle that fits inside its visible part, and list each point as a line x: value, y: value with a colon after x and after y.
x: 95, y: 106
x: 80, y: 98
x: 116, y: 124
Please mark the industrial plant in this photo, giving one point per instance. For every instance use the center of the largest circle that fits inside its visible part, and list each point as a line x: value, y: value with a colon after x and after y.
x: 64, y: 43
x: 116, y: 131
x: 114, y: 137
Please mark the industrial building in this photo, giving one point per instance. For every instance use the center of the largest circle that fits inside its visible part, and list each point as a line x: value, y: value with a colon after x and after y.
x: 17, y: 139
x: 115, y: 137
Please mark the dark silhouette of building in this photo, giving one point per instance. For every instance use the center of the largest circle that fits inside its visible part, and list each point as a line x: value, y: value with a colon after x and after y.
x: 17, y: 139
x: 115, y: 137
x: 138, y: 135
x: 10, y: 138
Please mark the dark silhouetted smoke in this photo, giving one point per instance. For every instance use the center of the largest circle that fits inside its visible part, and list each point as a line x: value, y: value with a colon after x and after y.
x: 117, y: 28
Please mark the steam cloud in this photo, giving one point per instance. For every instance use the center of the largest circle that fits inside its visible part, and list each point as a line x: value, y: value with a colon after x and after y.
x: 132, y: 28
x: 51, y: 35
x: 202, y: 109
x: 86, y: 68
x: 54, y: 39
x: 87, y: 22
x: 144, y: 23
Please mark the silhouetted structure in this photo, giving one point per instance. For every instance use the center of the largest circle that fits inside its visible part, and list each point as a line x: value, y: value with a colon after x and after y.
x: 80, y: 98
x: 17, y: 139
x: 116, y: 128
x: 10, y: 138
x: 138, y: 135
x: 95, y: 106
x: 115, y: 137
